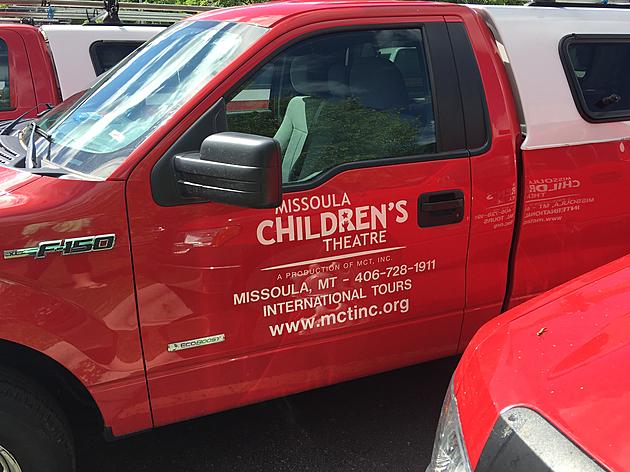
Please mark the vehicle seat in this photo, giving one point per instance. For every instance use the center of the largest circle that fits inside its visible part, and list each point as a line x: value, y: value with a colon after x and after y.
x: 309, y: 79
x: 378, y: 84
x: 374, y: 83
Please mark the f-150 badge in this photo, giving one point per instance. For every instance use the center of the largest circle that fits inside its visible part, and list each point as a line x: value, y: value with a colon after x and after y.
x: 102, y: 242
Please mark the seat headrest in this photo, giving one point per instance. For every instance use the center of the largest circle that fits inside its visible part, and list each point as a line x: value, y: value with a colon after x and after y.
x: 309, y: 75
x: 377, y: 83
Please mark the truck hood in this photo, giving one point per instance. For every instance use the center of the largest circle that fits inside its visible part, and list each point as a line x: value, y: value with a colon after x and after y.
x: 11, y: 180
x: 567, y: 356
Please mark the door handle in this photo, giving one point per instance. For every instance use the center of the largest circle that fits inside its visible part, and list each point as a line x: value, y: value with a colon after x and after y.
x: 440, y: 208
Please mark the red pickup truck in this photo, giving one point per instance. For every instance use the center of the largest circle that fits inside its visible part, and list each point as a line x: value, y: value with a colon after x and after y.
x: 272, y: 198
x: 543, y: 387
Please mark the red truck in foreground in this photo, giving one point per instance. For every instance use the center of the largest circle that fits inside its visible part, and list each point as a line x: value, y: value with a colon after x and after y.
x: 273, y: 198
x: 543, y: 387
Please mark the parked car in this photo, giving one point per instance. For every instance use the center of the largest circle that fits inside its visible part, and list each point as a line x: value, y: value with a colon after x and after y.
x: 273, y: 198
x: 542, y: 387
x: 40, y: 66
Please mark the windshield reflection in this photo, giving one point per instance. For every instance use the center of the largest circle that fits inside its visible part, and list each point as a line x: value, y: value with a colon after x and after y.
x: 130, y: 101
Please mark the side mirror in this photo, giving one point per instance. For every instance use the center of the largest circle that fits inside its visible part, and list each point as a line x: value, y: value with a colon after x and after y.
x: 233, y: 168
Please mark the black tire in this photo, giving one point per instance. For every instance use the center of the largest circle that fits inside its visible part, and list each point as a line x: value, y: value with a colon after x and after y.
x: 33, y: 429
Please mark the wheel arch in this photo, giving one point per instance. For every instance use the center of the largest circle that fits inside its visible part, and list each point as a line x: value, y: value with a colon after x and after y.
x: 71, y: 394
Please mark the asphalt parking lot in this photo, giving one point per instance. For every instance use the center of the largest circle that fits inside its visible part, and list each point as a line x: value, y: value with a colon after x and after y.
x: 380, y: 423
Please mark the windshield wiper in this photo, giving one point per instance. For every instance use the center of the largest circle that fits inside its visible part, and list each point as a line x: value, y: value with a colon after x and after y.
x: 32, y: 160
x: 8, y: 128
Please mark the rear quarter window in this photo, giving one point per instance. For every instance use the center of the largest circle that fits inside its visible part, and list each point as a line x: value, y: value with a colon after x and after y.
x: 5, y: 95
x: 598, y: 71
x: 106, y: 54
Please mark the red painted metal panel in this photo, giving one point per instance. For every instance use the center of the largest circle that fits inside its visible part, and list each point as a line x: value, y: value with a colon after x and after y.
x: 559, y: 354
x: 208, y: 269
x: 78, y: 309
x: 42, y: 69
x: 575, y: 215
x: 494, y: 189
x: 31, y: 74
x: 21, y: 90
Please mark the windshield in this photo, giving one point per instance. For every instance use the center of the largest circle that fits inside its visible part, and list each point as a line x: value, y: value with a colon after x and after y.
x: 49, y: 117
x: 46, y: 121
x: 130, y: 101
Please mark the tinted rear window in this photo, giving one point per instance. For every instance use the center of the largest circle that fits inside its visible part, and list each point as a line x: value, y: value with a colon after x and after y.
x: 598, y: 70
x: 5, y: 96
x: 106, y: 54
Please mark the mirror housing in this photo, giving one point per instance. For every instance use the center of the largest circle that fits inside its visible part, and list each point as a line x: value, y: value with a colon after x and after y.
x: 233, y: 168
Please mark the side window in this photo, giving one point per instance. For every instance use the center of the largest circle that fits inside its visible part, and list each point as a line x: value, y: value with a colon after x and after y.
x: 250, y: 110
x: 5, y: 94
x: 598, y: 70
x: 106, y: 54
x: 341, y: 98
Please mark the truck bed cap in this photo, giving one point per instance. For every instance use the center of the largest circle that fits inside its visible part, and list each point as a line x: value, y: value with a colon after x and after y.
x: 79, y: 38
x: 530, y: 38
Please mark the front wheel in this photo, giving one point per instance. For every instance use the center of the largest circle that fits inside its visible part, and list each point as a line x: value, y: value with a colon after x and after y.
x: 8, y: 463
x: 34, y: 433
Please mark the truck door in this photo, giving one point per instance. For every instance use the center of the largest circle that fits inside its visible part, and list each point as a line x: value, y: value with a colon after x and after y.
x: 16, y: 84
x: 362, y: 267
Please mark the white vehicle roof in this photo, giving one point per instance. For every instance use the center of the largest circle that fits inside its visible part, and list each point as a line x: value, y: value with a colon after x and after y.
x: 531, y: 37
x: 70, y: 49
